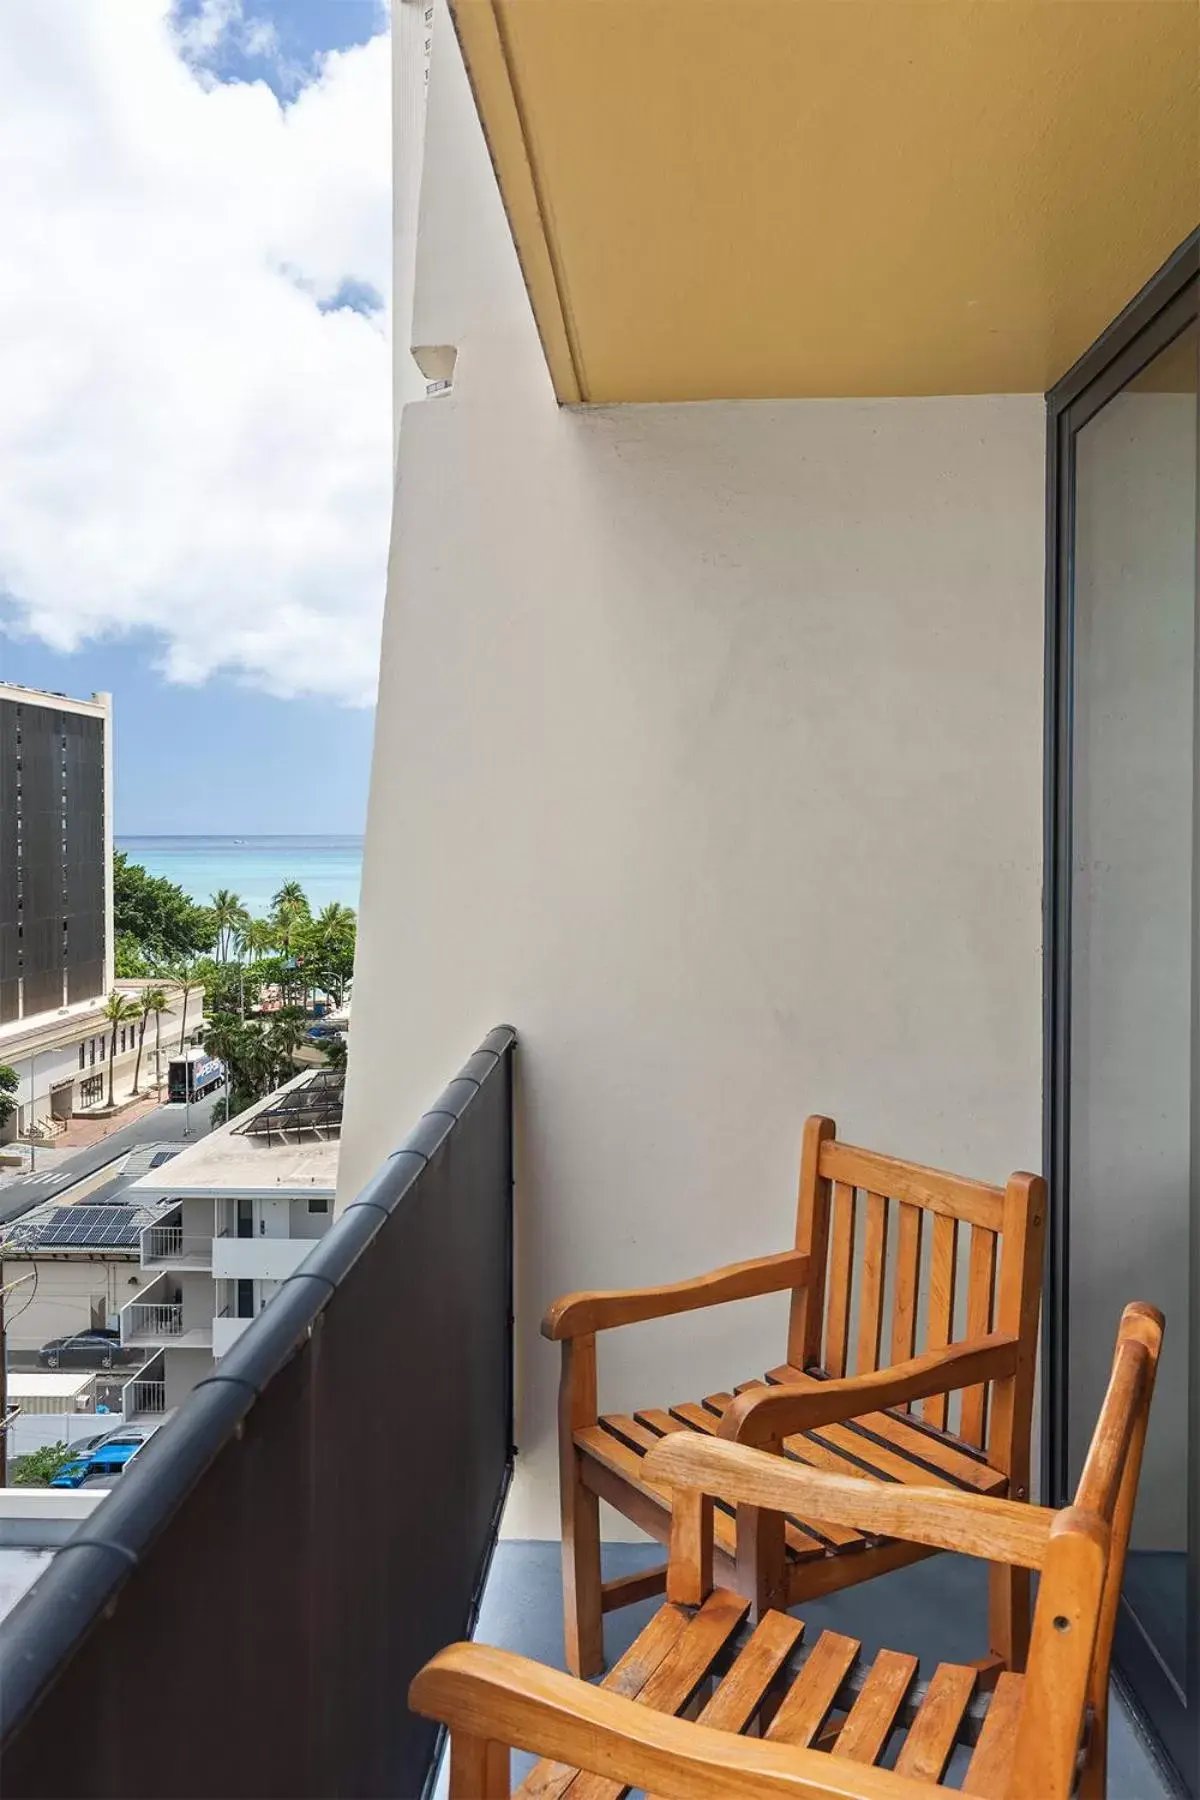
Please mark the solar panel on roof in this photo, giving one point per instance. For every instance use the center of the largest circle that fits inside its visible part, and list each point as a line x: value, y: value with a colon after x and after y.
x: 108, y: 1227
x: 315, y: 1106
x: 162, y: 1156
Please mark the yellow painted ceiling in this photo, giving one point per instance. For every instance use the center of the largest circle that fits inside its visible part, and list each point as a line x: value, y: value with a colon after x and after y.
x: 773, y: 198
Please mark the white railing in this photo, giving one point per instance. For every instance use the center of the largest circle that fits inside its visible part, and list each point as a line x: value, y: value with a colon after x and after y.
x: 151, y: 1319
x: 161, y: 1241
x: 143, y: 1397
x: 167, y: 1243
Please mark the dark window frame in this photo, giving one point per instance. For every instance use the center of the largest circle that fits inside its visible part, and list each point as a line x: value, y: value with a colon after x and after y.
x: 1153, y: 319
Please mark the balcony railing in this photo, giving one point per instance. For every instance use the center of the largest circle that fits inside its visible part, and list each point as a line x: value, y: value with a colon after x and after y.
x: 159, y: 1241
x: 169, y: 1244
x: 276, y: 1531
x: 146, y: 1321
x: 144, y: 1397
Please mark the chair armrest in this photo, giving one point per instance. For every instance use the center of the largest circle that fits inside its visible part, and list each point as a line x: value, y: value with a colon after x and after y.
x: 576, y: 1314
x: 1004, y: 1531
x: 764, y: 1415
x: 497, y: 1696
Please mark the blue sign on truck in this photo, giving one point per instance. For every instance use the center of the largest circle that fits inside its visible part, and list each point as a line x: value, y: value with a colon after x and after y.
x: 192, y: 1076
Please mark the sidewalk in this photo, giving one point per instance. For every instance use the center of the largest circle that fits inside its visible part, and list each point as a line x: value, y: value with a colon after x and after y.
x: 81, y: 1134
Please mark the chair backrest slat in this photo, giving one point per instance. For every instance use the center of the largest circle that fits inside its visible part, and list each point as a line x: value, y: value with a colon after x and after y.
x: 860, y: 1211
x: 874, y: 1275
x: 943, y: 1276
x: 906, y: 1288
x: 841, y: 1279
x: 981, y: 1297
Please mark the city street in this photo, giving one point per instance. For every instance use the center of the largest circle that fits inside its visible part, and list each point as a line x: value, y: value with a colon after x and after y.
x: 163, y: 1124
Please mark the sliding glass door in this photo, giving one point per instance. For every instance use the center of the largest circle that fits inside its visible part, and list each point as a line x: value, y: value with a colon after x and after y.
x: 1125, y: 998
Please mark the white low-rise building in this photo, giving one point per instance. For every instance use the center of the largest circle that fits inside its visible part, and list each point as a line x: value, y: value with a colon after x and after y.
x: 244, y: 1207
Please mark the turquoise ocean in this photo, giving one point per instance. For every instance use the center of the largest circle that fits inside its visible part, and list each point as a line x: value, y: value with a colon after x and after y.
x: 327, y: 868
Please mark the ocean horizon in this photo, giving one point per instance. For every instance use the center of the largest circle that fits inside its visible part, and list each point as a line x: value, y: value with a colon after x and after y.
x: 328, y: 867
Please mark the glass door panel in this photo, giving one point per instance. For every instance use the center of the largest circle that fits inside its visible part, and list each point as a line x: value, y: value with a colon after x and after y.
x: 1133, y: 971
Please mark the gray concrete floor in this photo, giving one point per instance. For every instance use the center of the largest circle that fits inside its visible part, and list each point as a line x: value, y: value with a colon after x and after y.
x: 936, y: 1610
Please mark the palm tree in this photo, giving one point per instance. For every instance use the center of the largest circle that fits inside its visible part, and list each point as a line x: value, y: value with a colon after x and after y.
x: 332, y: 936
x: 335, y: 919
x: 183, y: 976
x: 290, y: 899
x: 229, y: 914
x: 118, y: 1009
x: 155, y: 1001
x: 255, y: 939
x: 143, y: 1016
x: 292, y: 918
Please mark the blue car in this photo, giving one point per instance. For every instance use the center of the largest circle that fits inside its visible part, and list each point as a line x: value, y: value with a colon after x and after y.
x: 72, y: 1473
x: 111, y: 1457
x: 108, y: 1456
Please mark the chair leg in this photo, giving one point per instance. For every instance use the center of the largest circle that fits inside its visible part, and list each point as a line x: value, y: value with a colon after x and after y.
x: 1009, y: 1615
x: 479, y: 1768
x: 583, y: 1613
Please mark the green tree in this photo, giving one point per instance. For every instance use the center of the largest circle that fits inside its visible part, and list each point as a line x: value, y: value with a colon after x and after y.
x: 257, y: 1053
x: 9, y: 1083
x: 119, y: 1010
x: 329, y: 949
x: 335, y: 1052
x: 143, y: 1014
x: 258, y: 937
x: 155, y: 1001
x: 289, y: 902
x: 132, y: 963
x: 156, y: 915
x: 186, y: 977
x: 39, y: 1468
x: 230, y: 915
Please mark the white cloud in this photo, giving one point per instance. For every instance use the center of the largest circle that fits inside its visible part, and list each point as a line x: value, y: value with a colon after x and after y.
x: 188, y: 442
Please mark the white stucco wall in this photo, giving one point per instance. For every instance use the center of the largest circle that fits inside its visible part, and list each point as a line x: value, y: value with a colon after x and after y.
x: 708, y: 754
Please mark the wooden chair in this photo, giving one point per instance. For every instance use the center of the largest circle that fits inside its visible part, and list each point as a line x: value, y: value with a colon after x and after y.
x: 668, y: 1717
x: 887, y: 1417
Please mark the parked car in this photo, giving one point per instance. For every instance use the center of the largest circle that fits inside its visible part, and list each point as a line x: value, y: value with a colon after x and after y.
x: 97, y: 1349
x: 70, y: 1474
x: 107, y: 1456
x: 110, y: 1457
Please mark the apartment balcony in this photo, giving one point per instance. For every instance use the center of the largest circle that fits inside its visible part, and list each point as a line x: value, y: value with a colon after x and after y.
x: 166, y: 1246
x: 156, y: 1320
x: 274, y: 1531
x: 144, y: 1395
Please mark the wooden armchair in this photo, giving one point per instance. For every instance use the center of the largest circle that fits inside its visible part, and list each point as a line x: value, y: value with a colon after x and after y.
x: 888, y: 1418
x: 669, y: 1717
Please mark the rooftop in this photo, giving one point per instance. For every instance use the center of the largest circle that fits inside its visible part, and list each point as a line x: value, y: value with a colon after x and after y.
x: 98, y: 1213
x: 252, y: 1158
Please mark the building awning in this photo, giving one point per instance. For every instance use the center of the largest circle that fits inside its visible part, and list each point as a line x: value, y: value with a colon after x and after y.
x: 834, y: 197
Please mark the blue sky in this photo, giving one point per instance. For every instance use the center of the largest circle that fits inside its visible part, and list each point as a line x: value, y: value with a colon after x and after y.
x: 219, y: 758
x: 197, y: 465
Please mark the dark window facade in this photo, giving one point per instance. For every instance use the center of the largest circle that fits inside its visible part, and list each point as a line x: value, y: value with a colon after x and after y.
x: 52, y: 875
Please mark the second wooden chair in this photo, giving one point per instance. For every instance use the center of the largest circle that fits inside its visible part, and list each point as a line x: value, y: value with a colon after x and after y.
x: 705, y: 1706
x: 852, y: 1395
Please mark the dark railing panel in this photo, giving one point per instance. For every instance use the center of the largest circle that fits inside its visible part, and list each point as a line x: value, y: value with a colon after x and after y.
x: 243, y: 1615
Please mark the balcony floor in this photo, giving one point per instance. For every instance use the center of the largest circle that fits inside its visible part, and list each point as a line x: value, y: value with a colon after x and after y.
x: 935, y: 1610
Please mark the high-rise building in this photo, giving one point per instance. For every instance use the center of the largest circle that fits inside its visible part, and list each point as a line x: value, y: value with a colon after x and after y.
x: 55, y: 851
x: 56, y: 905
